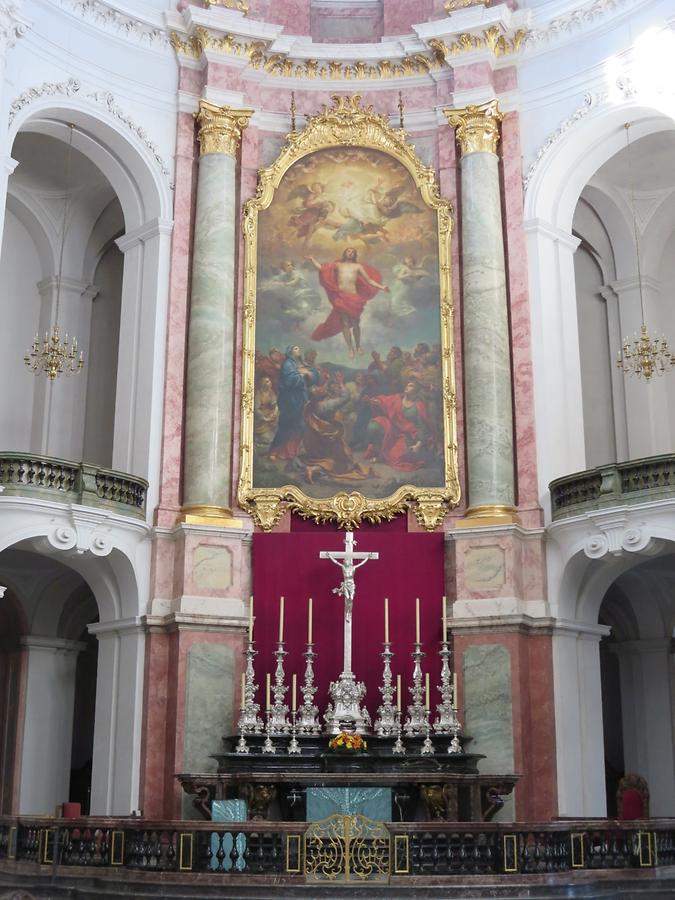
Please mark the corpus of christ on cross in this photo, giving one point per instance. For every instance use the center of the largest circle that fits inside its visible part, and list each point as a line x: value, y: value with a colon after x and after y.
x: 345, y: 711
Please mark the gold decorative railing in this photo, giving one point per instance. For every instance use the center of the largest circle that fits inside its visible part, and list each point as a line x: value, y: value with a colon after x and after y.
x: 636, y: 481
x: 48, y: 478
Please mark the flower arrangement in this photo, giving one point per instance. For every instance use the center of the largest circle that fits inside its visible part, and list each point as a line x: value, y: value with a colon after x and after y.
x: 344, y: 742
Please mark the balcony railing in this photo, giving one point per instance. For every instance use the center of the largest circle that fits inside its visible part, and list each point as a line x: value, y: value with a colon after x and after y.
x: 48, y: 478
x: 333, y: 850
x: 637, y: 481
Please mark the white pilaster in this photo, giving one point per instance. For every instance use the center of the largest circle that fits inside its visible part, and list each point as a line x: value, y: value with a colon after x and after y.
x: 140, y: 368
x: 48, y: 724
x: 555, y: 342
x: 646, y: 705
x: 119, y: 708
x: 578, y: 713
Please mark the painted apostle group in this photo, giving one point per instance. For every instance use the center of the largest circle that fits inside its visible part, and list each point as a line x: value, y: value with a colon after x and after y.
x: 317, y: 418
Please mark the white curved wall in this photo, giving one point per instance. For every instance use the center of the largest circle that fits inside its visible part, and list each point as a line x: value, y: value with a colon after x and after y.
x: 19, y: 274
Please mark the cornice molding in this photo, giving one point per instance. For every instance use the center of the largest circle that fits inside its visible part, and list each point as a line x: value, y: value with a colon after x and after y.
x: 570, y: 21
x: 125, y: 24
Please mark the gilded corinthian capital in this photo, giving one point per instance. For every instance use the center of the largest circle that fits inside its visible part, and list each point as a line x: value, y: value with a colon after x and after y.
x: 220, y: 127
x: 476, y: 127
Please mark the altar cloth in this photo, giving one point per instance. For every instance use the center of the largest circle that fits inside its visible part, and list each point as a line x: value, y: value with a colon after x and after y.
x: 374, y: 803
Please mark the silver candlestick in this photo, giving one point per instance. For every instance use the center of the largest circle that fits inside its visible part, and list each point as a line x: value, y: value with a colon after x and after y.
x: 427, y: 746
x: 249, y: 720
x: 446, y: 720
x: 242, y: 746
x: 418, y: 716
x: 268, y: 746
x: 294, y: 746
x: 279, y: 713
x: 398, y: 748
x: 309, y: 712
x: 385, y: 723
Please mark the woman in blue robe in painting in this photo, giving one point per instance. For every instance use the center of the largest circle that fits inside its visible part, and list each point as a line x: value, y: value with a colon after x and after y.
x: 294, y: 380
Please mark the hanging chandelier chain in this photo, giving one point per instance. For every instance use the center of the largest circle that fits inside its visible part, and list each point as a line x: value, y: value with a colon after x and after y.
x: 631, y: 182
x: 644, y: 356
x: 64, y: 222
x: 54, y: 356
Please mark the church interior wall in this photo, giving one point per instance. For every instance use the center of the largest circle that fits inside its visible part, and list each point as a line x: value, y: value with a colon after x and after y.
x: 173, y: 606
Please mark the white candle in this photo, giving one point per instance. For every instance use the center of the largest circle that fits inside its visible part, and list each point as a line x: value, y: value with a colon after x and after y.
x: 281, y: 620
x: 267, y: 691
x: 295, y: 685
x: 386, y: 620
x: 427, y: 684
x: 309, y: 623
x: 398, y: 692
x: 250, y: 619
x: 445, y: 620
x: 243, y: 690
x: 417, y: 620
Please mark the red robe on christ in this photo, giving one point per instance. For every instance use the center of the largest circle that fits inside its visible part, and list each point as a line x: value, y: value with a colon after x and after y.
x: 343, y: 302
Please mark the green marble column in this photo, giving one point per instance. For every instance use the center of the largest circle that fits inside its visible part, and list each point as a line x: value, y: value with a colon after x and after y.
x: 207, y: 472
x: 487, y: 364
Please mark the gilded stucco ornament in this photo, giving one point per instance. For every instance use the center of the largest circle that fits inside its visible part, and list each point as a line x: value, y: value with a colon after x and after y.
x: 239, y: 5
x: 220, y: 128
x: 348, y: 123
x: 476, y: 127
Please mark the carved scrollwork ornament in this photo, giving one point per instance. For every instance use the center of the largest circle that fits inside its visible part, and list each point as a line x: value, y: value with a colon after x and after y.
x: 476, y: 127
x: 220, y: 128
x: 347, y: 123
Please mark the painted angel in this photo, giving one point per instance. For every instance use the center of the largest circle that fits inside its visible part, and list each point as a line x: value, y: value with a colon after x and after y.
x: 388, y: 203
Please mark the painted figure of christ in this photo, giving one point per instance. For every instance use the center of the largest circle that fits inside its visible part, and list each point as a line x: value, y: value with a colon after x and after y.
x: 349, y: 285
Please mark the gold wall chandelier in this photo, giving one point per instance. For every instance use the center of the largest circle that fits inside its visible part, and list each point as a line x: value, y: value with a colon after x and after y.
x: 52, y: 355
x: 644, y: 356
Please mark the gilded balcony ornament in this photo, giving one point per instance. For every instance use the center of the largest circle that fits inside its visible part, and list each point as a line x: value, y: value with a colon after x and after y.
x: 453, y: 5
x: 238, y: 5
x: 476, y: 127
x: 220, y: 128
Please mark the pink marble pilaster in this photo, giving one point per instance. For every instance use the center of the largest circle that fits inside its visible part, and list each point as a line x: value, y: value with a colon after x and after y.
x: 521, y: 337
x: 179, y: 287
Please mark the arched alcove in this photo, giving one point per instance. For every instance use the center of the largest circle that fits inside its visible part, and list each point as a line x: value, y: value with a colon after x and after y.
x: 552, y: 196
x: 114, y: 289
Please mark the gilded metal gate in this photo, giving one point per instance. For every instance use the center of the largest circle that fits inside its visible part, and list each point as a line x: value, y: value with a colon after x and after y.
x: 347, y: 848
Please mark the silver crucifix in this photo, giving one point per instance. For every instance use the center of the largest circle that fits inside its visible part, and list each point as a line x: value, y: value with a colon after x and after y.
x: 347, y: 693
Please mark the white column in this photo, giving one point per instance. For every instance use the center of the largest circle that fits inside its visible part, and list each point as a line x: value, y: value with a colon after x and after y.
x: 555, y: 343
x: 6, y: 169
x: 48, y: 724
x: 59, y: 406
x: 648, y: 427
x: 117, y: 724
x: 646, y: 706
x: 140, y: 366
x: 580, y: 756
x: 615, y: 339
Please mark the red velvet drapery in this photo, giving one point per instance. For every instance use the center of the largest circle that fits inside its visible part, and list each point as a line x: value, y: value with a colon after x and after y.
x: 410, y: 566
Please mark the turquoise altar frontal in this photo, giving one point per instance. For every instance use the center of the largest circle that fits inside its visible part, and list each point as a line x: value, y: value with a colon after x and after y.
x: 375, y: 803
x: 228, y: 811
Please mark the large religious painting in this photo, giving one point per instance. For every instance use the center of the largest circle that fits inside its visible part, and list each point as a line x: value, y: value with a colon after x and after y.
x: 348, y: 387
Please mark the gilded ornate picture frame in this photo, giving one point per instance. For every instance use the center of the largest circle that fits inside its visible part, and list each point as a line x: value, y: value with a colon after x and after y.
x: 348, y: 387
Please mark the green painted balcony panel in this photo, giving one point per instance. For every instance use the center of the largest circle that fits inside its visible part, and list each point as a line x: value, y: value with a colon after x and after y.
x: 636, y: 481
x: 48, y: 478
